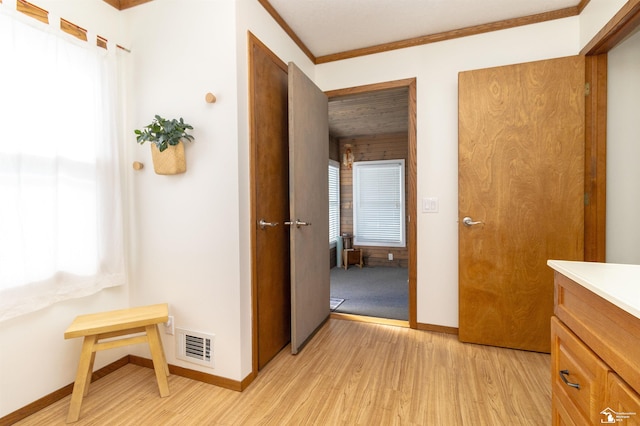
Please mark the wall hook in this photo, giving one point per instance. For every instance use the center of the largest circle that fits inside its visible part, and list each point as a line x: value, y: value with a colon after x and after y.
x: 210, y: 98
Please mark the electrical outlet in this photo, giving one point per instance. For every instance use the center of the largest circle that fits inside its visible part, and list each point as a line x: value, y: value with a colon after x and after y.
x: 390, y: 256
x: 169, y: 326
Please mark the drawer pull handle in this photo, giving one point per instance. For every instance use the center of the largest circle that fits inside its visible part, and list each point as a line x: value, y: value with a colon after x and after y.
x: 563, y: 376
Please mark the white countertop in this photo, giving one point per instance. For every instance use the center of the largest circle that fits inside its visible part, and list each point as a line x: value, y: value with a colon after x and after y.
x: 616, y: 283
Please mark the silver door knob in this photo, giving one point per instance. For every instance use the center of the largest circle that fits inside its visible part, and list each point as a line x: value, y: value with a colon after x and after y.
x: 467, y: 221
x: 264, y: 224
x: 298, y: 223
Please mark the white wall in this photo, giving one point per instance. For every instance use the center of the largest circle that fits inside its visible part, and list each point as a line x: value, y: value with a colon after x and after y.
x: 595, y: 16
x: 185, y: 228
x: 436, y: 67
x: 623, y: 153
x: 191, y: 233
x: 623, y: 141
x: 35, y: 360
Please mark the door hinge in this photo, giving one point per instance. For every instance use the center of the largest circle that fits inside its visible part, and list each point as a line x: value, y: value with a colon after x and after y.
x: 587, y: 198
x: 587, y: 89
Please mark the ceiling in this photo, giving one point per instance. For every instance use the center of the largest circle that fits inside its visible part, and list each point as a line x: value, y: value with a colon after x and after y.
x: 367, y: 114
x: 335, y: 29
x: 329, y: 27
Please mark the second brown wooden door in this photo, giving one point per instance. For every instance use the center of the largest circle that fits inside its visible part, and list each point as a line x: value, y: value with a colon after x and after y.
x: 270, y: 203
x: 521, y: 175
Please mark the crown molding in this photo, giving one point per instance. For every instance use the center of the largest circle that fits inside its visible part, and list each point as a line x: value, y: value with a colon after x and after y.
x: 430, y: 38
x: 125, y: 4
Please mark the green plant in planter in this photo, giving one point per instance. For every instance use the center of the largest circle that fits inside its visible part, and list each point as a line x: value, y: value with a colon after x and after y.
x: 163, y: 132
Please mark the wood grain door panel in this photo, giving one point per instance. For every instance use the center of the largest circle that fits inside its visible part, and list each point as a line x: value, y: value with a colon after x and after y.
x: 270, y: 201
x: 521, y: 173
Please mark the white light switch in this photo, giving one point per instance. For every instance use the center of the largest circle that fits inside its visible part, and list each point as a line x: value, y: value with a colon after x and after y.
x: 430, y: 205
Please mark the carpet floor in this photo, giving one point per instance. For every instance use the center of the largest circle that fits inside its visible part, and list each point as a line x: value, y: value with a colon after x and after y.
x: 381, y: 292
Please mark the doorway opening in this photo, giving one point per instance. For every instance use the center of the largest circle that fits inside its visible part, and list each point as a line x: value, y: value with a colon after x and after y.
x: 374, y: 280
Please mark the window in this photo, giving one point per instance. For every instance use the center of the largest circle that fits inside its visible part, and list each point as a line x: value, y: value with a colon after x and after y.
x: 378, y: 203
x: 60, y: 215
x: 334, y: 202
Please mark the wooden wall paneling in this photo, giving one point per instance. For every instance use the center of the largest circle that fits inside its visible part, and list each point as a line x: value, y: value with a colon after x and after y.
x: 371, y: 148
x: 334, y: 149
x: 379, y: 112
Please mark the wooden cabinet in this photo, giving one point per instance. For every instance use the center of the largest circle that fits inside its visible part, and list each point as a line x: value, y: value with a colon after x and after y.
x: 578, y: 376
x: 622, y: 399
x: 595, y: 359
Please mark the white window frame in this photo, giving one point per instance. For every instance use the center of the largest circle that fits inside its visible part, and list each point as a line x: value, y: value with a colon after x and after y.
x: 371, y: 209
x: 334, y: 207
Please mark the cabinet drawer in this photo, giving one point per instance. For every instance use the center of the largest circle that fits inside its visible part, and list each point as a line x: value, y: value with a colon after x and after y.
x: 582, y: 395
x: 560, y: 416
x: 622, y: 403
x: 610, y: 332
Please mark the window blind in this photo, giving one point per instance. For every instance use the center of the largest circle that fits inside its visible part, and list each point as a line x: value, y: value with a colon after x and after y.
x: 378, y: 210
x: 334, y: 201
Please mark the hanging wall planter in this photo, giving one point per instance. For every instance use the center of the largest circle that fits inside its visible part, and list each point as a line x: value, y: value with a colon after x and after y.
x: 171, y: 161
x: 167, y: 149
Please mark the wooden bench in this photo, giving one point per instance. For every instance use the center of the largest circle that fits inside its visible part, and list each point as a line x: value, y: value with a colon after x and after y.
x: 113, y: 324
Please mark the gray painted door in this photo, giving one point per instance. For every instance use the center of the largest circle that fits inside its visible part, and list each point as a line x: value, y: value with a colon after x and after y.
x: 309, y: 207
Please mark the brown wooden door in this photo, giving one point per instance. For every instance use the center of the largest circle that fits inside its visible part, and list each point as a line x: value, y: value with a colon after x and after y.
x: 521, y: 173
x: 309, y: 206
x: 270, y: 202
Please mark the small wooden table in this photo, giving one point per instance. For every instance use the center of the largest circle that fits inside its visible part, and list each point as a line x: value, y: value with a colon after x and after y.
x: 352, y: 257
x: 107, y: 325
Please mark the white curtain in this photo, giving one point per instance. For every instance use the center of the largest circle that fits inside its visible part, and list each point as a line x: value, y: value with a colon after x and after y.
x: 61, y: 233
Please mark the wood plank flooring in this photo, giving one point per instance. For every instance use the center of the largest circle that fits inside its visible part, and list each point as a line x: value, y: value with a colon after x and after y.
x: 351, y: 373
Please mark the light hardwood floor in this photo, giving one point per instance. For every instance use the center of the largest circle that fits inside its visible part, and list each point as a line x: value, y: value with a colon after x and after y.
x: 351, y: 373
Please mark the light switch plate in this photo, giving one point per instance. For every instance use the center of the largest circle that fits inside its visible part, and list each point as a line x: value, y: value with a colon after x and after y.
x: 430, y: 205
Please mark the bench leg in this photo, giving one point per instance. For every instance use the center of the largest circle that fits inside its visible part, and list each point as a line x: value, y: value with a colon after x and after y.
x: 89, y: 373
x: 83, y: 377
x: 159, y: 361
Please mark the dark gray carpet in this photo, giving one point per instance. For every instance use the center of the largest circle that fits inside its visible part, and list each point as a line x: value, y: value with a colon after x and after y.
x: 381, y: 292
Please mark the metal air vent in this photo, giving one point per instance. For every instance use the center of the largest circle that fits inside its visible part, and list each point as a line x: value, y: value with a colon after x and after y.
x: 195, y: 347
